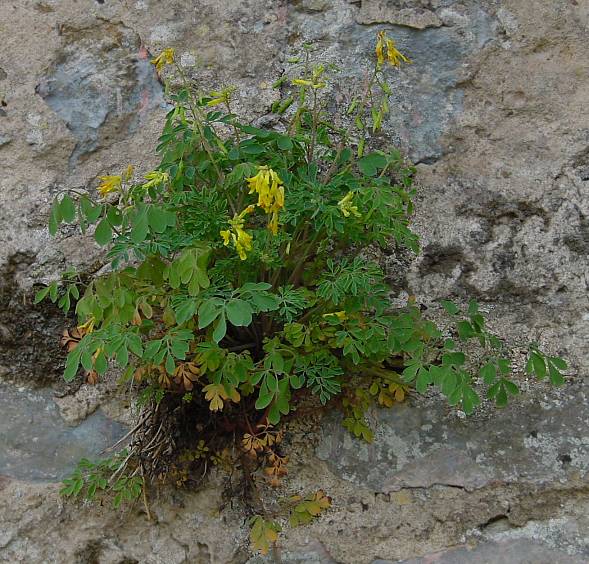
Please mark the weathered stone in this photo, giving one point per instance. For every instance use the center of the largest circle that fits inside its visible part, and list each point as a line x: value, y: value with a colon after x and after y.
x: 538, y: 441
x: 101, y: 85
x: 37, y: 444
x: 396, y: 12
x: 514, y: 552
x: 494, y: 110
x: 37, y: 527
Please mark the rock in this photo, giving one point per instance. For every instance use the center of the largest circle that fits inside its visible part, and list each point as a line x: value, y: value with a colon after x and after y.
x: 420, y: 446
x: 37, y: 444
x: 514, y: 552
x: 101, y: 85
x: 37, y: 526
x: 395, y: 12
x: 493, y: 110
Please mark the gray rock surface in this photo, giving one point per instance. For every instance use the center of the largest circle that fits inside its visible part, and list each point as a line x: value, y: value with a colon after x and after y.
x: 100, y: 84
x: 540, y: 441
x: 37, y: 444
x: 514, y: 552
x: 493, y: 109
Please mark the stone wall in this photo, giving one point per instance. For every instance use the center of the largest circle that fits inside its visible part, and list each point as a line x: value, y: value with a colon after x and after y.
x: 492, y: 110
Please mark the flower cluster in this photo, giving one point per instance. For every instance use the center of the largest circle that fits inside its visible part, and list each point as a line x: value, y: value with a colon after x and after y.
x: 315, y: 81
x: 268, y: 186
x: 155, y: 178
x: 220, y: 96
x: 242, y: 240
x: 109, y: 184
x: 166, y: 57
x: 386, y: 45
x: 347, y: 207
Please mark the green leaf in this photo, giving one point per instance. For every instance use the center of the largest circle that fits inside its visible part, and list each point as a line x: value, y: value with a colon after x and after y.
x: 54, y: 218
x: 180, y: 348
x: 87, y: 362
x: 220, y: 328
x: 556, y: 377
x: 253, y: 149
x: 453, y: 358
x: 67, y: 209
x: 53, y: 291
x: 123, y: 357
x: 73, y: 290
x: 560, y: 363
x: 473, y: 307
x: 504, y: 365
x: 264, y: 400
x: 140, y: 227
x: 424, y: 379
x: 100, y: 363
x: 410, y: 372
x: 103, y: 233
x: 41, y: 294
x: 465, y: 330
x: 539, y: 365
x: 450, y: 307
x: 114, y: 215
x: 72, y: 364
x: 135, y: 345
x: 170, y: 364
x: 284, y: 143
x: 501, y: 397
x: 470, y: 399
x: 510, y: 387
x: 158, y: 219
x: 488, y: 373
x: 53, y: 224
x: 185, y: 311
x: 89, y: 210
x: 239, y: 312
x: 151, y: 349
x: 449, y: 344
x: 208, y: 312
x: 370, y: 164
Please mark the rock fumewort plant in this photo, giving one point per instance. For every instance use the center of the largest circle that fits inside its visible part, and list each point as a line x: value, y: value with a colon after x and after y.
x: 241, y: 285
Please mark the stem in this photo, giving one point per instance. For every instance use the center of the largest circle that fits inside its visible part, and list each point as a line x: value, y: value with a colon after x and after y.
x: 306, y: 255
x: 198, y: 119
x: 145, y: 502
x: 314, y: 112
x: 235, y: 128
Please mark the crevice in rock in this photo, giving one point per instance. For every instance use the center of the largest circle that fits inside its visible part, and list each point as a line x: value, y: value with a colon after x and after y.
x: 30, y: 352
x: 497, y: 523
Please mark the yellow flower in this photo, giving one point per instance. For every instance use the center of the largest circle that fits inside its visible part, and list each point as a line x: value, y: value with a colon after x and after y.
x: 380, y: 39
x: 128, y: 173
x: 220, y: 96
x: 346, y: 207
x: 341, y: 315
x: 268, y: 186
x: 315, y: 81
x: 393, y: 56
x: 155, y: 178
x: 226, y: 237
x: 241, y: 239
x: 166, y: 57
x: 243, y: 243
x: 109, y: 184
x: 273, y: 223
x: 87, y: 327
